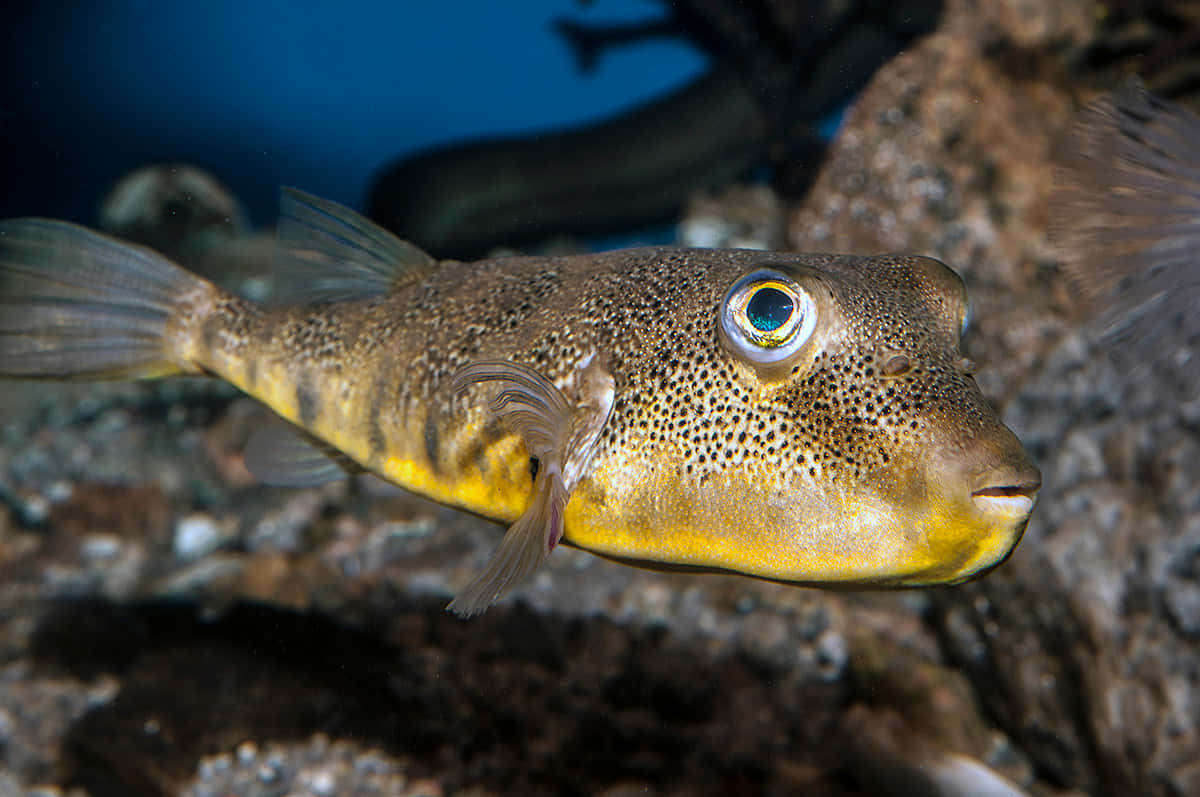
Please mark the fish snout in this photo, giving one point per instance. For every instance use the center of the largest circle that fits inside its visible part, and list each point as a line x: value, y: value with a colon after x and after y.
x: 1007, y: 490
x: 988, y: 488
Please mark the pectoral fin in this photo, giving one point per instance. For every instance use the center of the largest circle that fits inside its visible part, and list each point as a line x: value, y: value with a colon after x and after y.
x: 562, y: 434
x: 525, y: 546
x: 528, y: 402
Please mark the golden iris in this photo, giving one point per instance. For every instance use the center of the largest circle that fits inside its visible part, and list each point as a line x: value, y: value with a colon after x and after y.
x: 766, y: 318
x: 769, y: 308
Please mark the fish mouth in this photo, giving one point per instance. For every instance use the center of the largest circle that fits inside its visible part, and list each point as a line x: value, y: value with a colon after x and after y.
x: 1008, y: 499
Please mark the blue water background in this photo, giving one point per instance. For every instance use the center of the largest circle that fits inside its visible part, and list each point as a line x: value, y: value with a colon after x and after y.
x: 316, y: 95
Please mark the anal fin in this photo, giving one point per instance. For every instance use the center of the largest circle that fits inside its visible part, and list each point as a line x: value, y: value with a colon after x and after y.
x: 282, y: 455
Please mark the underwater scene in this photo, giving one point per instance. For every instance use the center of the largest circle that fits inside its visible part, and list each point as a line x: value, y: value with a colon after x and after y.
x: 600, y: 398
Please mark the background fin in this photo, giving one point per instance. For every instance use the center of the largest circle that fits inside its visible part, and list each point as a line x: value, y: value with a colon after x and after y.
x: 1125, y: 214
x: 279, y: 454
x: 327, y: 252
x: 78, y: 304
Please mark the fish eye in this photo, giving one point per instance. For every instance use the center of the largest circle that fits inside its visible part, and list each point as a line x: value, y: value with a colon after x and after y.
x: 767, y: 317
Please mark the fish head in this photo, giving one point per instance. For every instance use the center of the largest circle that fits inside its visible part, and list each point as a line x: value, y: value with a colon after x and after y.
x: 903, y: 450
x: 822, y: 428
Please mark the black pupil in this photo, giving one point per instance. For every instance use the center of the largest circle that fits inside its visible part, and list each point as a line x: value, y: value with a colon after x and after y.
x: 769, y: 309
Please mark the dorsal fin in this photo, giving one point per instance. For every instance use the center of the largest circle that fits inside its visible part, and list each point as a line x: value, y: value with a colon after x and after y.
x: 283, y: 455
x: 326, y: 252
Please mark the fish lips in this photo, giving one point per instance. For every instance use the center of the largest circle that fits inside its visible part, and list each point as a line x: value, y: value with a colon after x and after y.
x: 1008, y: 500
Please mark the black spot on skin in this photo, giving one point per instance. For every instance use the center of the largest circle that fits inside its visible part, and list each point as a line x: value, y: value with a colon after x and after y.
x: 431, y: 441
x: 375, y: 408
x: 481, y: 462
x: 477, y: 451
x: 307, y: 401
x: 375, y: 437
x: 208, y: 333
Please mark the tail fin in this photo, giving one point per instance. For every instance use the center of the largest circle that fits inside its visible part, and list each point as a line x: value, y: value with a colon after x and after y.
x: 77, y: 304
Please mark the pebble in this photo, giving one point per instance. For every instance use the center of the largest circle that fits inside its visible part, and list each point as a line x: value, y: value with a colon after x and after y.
x: 1182, y: 600
x: 322, y: 782
x: 99, y: 547
x: 44, y: 791
x: 246, y: 752
x: 267, y: 774
x: 320, y: 767
x: 60, y: 491
x: 196, y: 535
x: 32, y: 508
x: 283, y: 529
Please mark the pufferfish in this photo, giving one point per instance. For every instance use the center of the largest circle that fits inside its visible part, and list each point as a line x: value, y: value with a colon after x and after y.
x: 800, y: 418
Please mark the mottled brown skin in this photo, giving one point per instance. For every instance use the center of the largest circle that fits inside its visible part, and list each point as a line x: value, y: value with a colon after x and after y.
x: 854, y: 465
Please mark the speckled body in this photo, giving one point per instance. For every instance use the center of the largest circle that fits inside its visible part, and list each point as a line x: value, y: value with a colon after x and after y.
x: 835, y: 471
